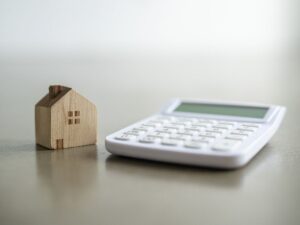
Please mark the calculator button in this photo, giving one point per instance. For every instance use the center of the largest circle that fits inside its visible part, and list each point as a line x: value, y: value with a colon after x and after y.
x: 180, y: 124
x: 255, y: 125
x: 226, y: 145
x: 173, y: 127
x: 153, y: 125
x: 201, y: 124
x: 215, y: 130
x: 206, y: 140
x: 180, y: 137
x: 241, y: 132
x: 193, y: 145
x: 159, y: 133
x: 126, y: 137
x: 155, y: 136
x: 170, y: 142
x: 208, y: 134
x: 134, y: 133
x: 235, y: 137
x: 167, y: 130
x: 221, y: 127
x: 250, y: 129
x: 187, y: 133
x: 147, y: 140
x: 147, y: 128
x: 139, y: 130
x: 231, y: 124
x: 194, y: 130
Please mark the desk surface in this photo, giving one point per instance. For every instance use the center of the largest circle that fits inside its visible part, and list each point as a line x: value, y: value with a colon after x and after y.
x: 87, y: 185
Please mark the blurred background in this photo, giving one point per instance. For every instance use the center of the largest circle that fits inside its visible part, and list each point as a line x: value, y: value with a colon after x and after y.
x: 130, y: 57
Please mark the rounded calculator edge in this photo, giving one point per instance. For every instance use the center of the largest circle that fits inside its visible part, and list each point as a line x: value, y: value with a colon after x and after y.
x: 233, y: 161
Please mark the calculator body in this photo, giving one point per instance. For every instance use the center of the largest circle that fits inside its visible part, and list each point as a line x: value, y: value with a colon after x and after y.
x: 200, y: 133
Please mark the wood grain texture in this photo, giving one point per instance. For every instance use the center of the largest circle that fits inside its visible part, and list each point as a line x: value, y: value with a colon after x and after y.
x: 72, y: 120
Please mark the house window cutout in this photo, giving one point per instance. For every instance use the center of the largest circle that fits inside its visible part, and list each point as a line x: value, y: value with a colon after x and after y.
x: 71, y: 115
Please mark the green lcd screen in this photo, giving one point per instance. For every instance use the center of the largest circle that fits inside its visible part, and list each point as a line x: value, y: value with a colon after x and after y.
x: 225, y: 110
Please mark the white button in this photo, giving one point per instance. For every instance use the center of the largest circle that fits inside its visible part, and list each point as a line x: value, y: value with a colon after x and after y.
x: 255, y: 125
x: 170, y: 142
x: 203, y: 125
x: 167, y: 130
x: 215, y: 131
x: 240, y: 132
x: 226, y: 145
x: 192, y: 130
x: 147, y: 128
x: 125, y: 137
x: 194, y: 145
x: 154, y: 136
x: 222, y: 127
x: 188, y: 133
x: 204, y: 139
x: 250, y: 129
x: 139, y: 130
x: 173, y: 127
x: 134, y: 133
x: 154, y: 125
x: 180, y: 124
x: 226, y: 123
x: 208, y: 134
x: 180, y: 136
x: 159, y: 133
x: 235, y: 137
x: 148, y: 140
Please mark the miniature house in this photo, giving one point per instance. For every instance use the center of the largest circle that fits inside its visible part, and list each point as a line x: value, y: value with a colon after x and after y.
x: 65, y: 119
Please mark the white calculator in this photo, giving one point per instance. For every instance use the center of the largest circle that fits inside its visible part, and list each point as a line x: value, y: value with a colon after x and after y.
x: 201, y: 133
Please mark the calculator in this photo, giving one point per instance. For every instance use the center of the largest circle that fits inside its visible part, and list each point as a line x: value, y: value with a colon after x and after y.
x: 200, y: 133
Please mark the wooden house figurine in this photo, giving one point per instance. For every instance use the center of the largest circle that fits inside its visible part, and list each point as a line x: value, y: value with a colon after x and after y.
x: 65, y: 119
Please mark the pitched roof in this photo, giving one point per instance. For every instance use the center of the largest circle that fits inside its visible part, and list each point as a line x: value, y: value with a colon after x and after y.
x: 47, y: 101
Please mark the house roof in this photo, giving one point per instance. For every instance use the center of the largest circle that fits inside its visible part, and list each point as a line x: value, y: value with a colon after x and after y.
x: 47, y: 101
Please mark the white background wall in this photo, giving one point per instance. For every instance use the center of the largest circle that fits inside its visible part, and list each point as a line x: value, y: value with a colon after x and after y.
x: 140, y: 53
x: 91, y: 26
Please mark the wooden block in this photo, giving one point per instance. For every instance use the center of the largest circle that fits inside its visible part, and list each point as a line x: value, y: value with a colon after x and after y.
x: 65, y: 119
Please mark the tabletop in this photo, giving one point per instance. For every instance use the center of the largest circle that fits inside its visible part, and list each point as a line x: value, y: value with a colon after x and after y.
x: 88, y: 185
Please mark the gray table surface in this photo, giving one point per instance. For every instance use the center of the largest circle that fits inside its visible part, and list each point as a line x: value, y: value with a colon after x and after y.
x: 87, y: 185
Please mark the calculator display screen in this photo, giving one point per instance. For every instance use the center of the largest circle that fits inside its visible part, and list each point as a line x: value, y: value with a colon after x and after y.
x: 226, y: 110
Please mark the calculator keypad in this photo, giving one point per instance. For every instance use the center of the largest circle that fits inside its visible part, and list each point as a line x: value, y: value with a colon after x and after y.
x: 191, y: 133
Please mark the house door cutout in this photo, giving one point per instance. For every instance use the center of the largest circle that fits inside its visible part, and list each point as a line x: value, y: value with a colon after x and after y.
x: 59, y: 143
